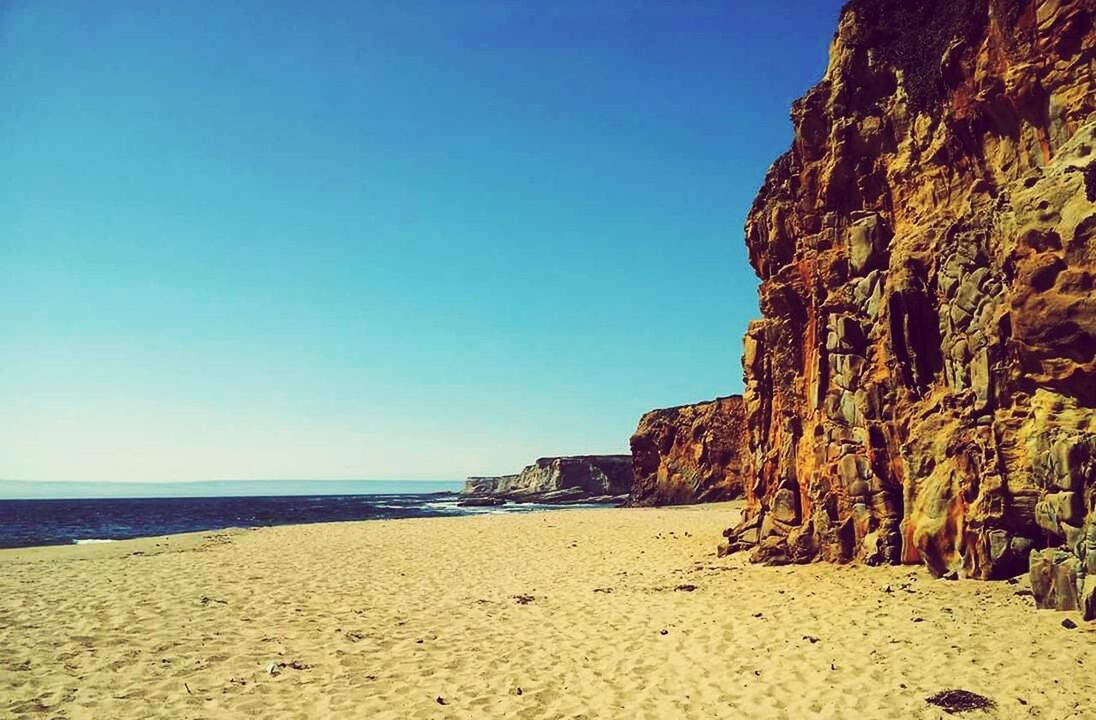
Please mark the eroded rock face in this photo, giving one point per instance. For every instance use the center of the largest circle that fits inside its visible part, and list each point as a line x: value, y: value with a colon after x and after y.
x: 690, y: 454
x: 487, y: 485
x: 560, y: 479
x: 922, y: 385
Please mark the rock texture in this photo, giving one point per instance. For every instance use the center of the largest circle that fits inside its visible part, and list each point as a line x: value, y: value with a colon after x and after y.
x: 487, y: 485
x: 580, y: 478
x: 922, y: 385
x: 691, y: 454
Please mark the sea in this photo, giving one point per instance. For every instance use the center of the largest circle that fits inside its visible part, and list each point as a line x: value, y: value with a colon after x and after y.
x: 34, y: 514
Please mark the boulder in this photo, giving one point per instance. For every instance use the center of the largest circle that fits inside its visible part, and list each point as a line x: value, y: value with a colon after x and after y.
x: 1053, y: 575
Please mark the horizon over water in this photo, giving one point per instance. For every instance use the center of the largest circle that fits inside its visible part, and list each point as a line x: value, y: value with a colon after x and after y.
x: 78, y: 489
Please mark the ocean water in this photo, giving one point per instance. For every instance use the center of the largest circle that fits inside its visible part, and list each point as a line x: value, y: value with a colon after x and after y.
x: 25, y: 523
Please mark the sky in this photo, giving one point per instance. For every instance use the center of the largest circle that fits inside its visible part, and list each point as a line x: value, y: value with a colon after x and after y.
x: 401, y: 240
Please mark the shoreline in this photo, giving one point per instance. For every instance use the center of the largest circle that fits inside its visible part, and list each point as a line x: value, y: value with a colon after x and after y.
x: 143, y: 545
x: 422, y: 507
x: 603, y: 613
x: 188, y: 539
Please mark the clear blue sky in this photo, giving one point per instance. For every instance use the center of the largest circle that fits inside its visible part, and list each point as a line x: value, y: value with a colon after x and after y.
x: 379, y: 239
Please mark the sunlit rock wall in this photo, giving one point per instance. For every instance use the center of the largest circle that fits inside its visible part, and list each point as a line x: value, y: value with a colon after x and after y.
x: 922, y: 384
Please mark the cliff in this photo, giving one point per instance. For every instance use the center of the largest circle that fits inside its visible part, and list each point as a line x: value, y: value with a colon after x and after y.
x: 922, y: 384
x: 560, y: 479
x: 690, y: 454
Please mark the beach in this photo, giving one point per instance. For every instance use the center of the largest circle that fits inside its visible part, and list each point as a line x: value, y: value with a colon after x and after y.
x: 609, y: 613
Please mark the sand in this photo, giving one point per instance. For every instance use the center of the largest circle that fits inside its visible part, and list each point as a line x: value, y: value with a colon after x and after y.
x: 621, y: 613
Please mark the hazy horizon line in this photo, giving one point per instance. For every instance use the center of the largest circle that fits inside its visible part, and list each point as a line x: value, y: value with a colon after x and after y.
x: 228, y: 480
x: 88, y: 489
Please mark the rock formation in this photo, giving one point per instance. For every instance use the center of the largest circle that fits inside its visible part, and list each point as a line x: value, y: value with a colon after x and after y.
x: 690, y: 454
x: 580, y: 478
x: 922, y: 385
x: 487, y: 485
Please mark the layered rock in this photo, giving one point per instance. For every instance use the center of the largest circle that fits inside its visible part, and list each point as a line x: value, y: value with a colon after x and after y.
x: 579, y: 478
x: 922, y: 385
x: 691, y: 453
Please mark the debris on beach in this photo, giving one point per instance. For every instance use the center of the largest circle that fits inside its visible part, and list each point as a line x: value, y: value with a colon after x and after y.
x: 275, y: 668
x: 957, y: 701
x: 524, y: 599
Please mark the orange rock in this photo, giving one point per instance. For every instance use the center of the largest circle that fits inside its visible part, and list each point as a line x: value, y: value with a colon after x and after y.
x: 922, y: 384
x: 690, y: 454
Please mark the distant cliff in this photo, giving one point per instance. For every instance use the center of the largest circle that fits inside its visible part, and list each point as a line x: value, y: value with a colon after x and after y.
x: 560, y: 479
x: 691, y: 453
x: 922, y: 384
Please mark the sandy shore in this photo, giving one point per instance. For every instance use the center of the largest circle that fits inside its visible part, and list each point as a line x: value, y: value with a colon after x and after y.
x: 570, y: 614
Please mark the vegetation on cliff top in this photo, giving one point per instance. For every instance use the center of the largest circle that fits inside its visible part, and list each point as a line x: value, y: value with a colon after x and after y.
x: 913, y: 35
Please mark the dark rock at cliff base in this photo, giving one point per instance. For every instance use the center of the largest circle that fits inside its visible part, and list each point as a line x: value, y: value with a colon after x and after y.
x: 559, y: 480
x: 691, y: 453
x: 481, y: 502
x: 922, y: 384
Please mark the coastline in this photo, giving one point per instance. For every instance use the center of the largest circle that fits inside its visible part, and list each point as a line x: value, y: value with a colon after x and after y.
x: 383, y: 618
x: 61, y: 521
